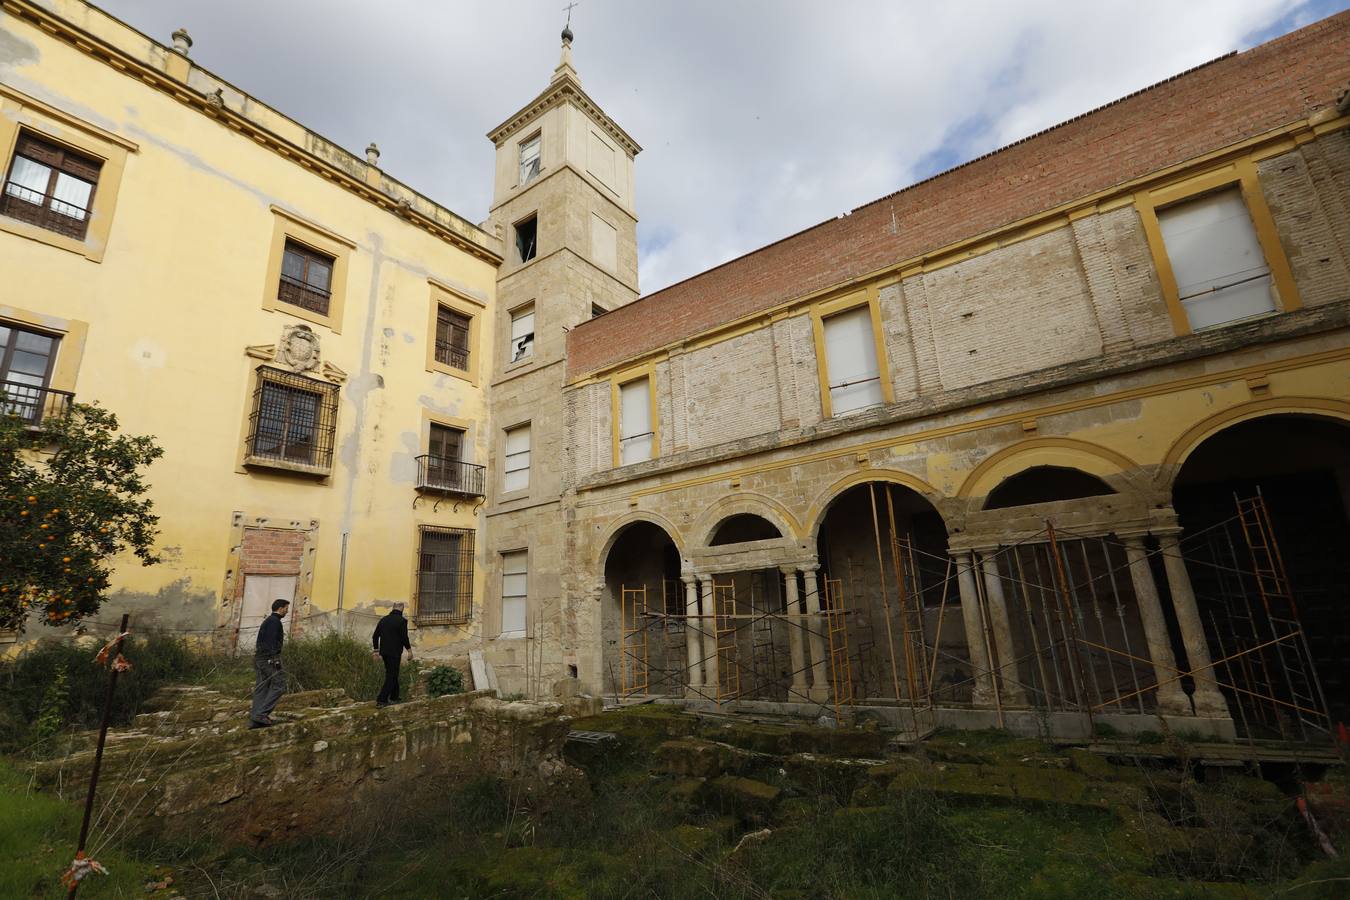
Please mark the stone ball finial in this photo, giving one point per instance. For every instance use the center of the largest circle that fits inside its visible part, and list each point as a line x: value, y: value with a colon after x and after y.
x: 182, y: 41
x: 372, y: 154
x: 567, y: 34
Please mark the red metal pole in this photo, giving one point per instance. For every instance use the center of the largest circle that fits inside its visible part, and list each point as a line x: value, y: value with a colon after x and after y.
x: 102, y: 737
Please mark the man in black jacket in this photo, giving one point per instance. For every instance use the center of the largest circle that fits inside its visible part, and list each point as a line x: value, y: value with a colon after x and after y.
x: 271, y: 682
x: 390, y: 640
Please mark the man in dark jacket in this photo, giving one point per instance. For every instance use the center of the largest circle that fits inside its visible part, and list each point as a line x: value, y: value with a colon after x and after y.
x: 390, y: 640
x: 271, y: 682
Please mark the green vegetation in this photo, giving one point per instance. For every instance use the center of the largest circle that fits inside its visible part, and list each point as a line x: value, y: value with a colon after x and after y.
x: 442, y: 680
x: 37, y: 841
x: 70, y: 501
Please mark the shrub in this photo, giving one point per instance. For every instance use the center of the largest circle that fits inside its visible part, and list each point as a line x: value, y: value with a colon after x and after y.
x: 443, y: 680
x: 338, y: 661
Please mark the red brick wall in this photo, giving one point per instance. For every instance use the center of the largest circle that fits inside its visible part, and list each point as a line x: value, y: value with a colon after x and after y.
x: 270, y: 551
x: 1210, y: 107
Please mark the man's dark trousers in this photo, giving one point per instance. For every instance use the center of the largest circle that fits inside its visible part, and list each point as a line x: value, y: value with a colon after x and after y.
x: 389, y: 693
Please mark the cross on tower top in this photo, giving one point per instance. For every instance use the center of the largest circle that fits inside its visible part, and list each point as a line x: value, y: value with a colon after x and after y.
x: 568, y: 9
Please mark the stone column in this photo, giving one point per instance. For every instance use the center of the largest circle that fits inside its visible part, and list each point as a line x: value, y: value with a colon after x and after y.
x: 1012, y: 692
x: 796, y: 646
x: 1207, y: 698
x: 815, y: 622
x: 693, y: 629
x: 1171, y: 698
x: 711, y: 679
x: 983, y: 694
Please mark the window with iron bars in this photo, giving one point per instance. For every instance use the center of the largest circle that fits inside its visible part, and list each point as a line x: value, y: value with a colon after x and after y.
x: 452, y: 338
x: 444, y: 576
x: 293, y: 423
x: 50, y: 187
x: 306, y: 278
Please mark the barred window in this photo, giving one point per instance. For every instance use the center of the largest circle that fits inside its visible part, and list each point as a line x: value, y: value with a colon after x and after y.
x: 50, y: 186
x: 444, y: 576
x: 306, y: 278
x: 452, y: 338
x: 294, y: 421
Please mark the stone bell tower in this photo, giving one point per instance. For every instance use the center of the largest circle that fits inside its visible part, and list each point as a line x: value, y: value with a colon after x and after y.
x: 563, y: 204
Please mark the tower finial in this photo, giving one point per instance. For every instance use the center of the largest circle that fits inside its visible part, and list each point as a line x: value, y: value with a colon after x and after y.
x: 567, y: 29
x: 565, y: 67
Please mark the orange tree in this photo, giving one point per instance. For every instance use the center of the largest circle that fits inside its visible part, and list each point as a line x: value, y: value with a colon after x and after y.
x: 71, y: 499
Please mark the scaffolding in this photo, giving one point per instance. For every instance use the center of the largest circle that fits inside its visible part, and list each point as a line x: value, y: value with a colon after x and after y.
x: 1060, y: 631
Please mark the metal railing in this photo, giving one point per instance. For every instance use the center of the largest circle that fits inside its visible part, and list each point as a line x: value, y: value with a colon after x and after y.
x: 305, y: 296
x: 27, y: 205
x: 33, y: 403
x: 451, y: 476
x: 450, y: 355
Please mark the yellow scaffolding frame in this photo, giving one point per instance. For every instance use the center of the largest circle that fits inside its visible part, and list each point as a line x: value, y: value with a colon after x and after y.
x: 633, y: 641
x: 728, y: 653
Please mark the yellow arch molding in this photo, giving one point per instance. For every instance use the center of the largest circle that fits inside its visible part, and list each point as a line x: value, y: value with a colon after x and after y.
x: 1253, y: 409
x: 1044, y: 451
x: 753, y: 503
x: 627, y: 519
x: 816, y: 514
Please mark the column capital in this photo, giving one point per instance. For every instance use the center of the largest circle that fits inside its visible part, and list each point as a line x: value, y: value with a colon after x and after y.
x: 788, y: 570
x: 810, y: 568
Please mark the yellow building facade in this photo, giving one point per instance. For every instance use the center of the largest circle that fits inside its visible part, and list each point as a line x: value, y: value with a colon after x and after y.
x: 301, y: 333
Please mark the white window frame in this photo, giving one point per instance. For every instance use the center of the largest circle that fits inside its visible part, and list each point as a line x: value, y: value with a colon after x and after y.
x: 637, y: 430
x: 531, y: 150
x: 516, y: 461
x: 515, y: 592
x: 521, y: 346
x: 853, y: 369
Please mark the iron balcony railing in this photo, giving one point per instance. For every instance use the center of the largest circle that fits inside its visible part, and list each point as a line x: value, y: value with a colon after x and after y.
x: 449, y: 355
x: 36, y: 208
x: 33, y: 403
x: 449, y: 476
x: 305, y: 296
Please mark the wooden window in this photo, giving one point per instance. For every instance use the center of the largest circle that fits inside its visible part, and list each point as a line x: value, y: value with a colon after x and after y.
x: 306, y: 278
x: 636, y: 436
x: 50, y: 186
x: 446, y: 443
x: 527, y: 233
x: 452, y: 338
x: 1220, y: 271
x: 26, y: 362
x: 522, y: 333
x: 529, y: 160
x: 517, y: 468
x: 851, y: 361
x: 515, y: 592
x: 444, y: 576
x: 294, y: 421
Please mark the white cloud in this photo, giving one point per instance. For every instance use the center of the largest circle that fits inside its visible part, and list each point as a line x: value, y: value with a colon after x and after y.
x: 759, y: 118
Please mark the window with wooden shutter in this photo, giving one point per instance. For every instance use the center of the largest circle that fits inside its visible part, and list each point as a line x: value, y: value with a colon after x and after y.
x: 1221, y: 274
x: 851, y: 361
x: 515, y: 592
x: 306, y: 278
x: 517, y: 462
x: 635, y: 421
x: 50, y: 186
x: 26, y: 362
x: 452, y: 338
x: 522, y: 333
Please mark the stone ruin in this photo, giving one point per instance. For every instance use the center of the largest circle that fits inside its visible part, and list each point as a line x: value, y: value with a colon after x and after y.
x: 189, y: 765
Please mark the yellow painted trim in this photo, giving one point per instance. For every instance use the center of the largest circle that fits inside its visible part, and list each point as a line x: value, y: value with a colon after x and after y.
x: 824, y: 309
x: 815, y: 516
x: 752, y: 503
x: 289, y: 225
x: 1198, y: 433
x: 617, y: 381
x: 1069, y: 452
x: 1239, y: 172
x: 69, y: 353
x: 442, y: 296
x: 1254, y: 149
x: 20, y: 112
x: 970, y: 425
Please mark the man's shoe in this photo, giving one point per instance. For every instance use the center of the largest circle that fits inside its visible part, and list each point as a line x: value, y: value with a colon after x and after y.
x: 256, y: 723
x: 381, y: 704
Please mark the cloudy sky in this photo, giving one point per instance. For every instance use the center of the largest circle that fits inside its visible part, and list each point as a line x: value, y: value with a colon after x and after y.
x: 758, y: 117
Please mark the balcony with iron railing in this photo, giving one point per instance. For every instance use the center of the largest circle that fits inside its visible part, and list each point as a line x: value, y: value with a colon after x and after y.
x: 34, y: 207
x: 436, y: 474
x: 33, y: 403
x: 304, y: 295
x: 449, y: 354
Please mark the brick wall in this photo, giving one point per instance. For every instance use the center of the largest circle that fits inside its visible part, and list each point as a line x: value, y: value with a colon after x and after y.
x: 1319, y: 263
x: 741, y: 368
x: 1213, y: 106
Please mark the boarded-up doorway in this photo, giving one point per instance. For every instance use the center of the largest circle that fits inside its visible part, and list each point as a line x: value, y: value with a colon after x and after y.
x: 259, y: 592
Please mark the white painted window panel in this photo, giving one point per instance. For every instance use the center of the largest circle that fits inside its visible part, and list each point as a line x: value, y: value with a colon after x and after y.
x: 851, y: 361
x: 529, y: 160
x: 635, y: 421
x: 522, y: 334
x: 515, y: 590
x: 1220, y: 271
x: 517, y: 468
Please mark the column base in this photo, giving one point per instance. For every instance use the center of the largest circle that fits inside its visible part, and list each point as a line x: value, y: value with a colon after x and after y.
x: 1210, y: 705
x: 1175, y: 703
x: 982, y: 696
x: 695, y: 692
x: 819, y: 694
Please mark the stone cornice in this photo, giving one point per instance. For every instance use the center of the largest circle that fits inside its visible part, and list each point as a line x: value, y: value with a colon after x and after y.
x: 565, y: 89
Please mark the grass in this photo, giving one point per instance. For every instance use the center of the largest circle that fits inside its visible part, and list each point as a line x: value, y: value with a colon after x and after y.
x: 37, y: 842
